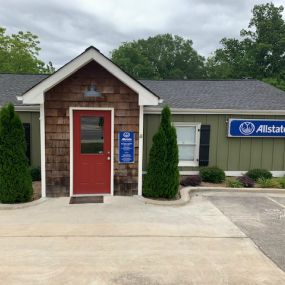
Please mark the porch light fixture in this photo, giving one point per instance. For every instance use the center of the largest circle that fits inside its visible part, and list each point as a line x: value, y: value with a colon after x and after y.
x: 92, y: 92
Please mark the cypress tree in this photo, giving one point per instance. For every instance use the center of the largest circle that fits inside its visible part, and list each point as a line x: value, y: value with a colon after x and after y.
x: 172, y: 171
x: 162, y: 178
x: 15, y: 177
x: 155, y: 178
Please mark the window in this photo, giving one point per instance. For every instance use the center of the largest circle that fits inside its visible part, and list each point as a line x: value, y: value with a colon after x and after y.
x: 188, y: 139
x: 92, y: 135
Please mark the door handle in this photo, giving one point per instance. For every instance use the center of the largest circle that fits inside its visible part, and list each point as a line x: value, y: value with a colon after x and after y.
x: 108, y: 158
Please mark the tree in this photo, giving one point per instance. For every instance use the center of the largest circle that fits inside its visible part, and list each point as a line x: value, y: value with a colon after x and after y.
x: 259, y: 54
x: 162, y: 178
x: 15, y: 177
x: 171, y: 163
x: 155, y: 179
x: 160, y: 57
x: 267, y: 34
x: 19, y: 53
x: 234, y: 60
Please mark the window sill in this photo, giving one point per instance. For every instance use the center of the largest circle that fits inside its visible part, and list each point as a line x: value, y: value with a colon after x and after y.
x: 188, y: 163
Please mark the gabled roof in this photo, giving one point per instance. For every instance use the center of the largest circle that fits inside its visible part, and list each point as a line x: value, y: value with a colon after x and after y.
x: 239, y: 95
x: 35, y: 95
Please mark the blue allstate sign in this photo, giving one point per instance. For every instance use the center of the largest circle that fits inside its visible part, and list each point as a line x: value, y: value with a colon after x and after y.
x: 126, y: 147
x: 256, y: 128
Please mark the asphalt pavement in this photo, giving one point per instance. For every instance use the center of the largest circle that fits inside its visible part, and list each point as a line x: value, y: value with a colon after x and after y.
x: 261, y: 218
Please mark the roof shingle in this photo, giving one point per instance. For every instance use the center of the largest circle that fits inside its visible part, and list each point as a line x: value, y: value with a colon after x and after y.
x: 218, y: 94
x: 13, y: 85
x: 191, y: 94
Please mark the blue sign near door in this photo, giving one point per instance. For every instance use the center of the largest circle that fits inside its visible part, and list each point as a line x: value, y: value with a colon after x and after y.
x: 126, y: 147
x: 256, y: 128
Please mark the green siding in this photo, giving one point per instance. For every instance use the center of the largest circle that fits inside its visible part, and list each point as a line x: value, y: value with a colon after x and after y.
x: 232, y: 154
x: 33, y: 119
x: 228, y: 153
x: 277, y: 156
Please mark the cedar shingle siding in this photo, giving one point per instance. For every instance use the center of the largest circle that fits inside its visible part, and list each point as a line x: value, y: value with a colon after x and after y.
x: 69, y: 93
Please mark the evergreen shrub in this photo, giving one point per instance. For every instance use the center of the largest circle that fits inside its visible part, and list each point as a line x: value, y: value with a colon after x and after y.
x: 257, y: 173
x: 162, y: 178
x: 212, y: 174
x: 15, y: 177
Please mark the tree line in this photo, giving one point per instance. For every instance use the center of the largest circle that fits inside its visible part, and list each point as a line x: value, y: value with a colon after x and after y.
x: 259, y: 53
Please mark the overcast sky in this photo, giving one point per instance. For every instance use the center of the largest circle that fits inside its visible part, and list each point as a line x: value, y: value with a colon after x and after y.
x: 67, y: 27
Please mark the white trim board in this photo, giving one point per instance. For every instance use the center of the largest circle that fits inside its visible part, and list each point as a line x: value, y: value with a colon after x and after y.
x: 43, y: 150
x: 71, y: 109
x: 280, y: 173
x: 140, y: 151
x: 153, y: 110
x: 35, y: 108
x: 275, y: 173
x: 28, y: 108
x: 36, y: 94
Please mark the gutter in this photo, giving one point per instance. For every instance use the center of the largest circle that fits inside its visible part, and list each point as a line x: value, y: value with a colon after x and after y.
x: 153, y: 110
x: 26, y: 108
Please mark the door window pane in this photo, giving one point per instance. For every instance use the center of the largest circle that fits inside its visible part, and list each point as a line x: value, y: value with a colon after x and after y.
x: 92, y: 135
x: 186, y: 152
x: 186, y: 135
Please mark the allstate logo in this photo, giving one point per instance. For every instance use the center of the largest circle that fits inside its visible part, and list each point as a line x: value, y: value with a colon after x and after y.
x: 246, y: 128
x: 126, y: 134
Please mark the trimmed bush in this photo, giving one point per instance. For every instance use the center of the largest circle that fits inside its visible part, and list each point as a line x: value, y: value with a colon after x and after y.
x: 15, y: 177
x: 212, y: 174
x: 233, y: 183
x: 35, y: 173
x: 162, y: 178
x: 192, y: 180
x: 268, y: 183
x: 246, y: 181
x: 257, y: 173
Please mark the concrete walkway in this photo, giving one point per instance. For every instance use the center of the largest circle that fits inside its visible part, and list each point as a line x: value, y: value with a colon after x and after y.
x: 125, y: 241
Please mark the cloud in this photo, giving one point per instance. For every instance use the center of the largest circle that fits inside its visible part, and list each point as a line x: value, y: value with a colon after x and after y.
x: 66, y: 30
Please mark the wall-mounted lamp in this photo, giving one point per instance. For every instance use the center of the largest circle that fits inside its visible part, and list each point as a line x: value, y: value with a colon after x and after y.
x: 92, y: 92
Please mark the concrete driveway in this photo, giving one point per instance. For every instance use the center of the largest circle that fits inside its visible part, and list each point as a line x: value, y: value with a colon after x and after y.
x: 124, y: 241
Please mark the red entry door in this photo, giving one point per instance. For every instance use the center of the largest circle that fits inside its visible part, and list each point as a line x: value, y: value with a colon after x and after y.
x: 92, y: 152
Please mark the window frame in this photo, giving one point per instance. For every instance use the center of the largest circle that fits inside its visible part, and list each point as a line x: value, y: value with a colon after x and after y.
x: 197, y: 126
x: 81, y: 139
